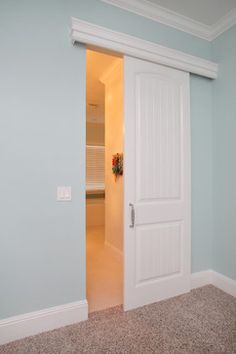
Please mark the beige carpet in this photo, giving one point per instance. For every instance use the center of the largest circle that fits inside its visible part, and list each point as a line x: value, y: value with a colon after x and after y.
x: 203, y: 321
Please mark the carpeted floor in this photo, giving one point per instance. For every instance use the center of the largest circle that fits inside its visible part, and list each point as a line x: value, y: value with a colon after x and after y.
x: 203, y: 321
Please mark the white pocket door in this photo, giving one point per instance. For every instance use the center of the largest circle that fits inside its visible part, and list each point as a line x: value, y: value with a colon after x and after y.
x: 157, y: 183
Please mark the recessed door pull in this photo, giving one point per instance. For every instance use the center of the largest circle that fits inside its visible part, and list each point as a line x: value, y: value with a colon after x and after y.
x: 132, y: 215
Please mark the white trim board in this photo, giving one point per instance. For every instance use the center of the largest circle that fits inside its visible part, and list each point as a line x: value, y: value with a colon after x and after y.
x: 200, y: 279
x: 33, y: 323
x: 224, y: 283
x: 220, y: 281
x: 225, y: 23
x: 173, y: 19
x: 101, y: 37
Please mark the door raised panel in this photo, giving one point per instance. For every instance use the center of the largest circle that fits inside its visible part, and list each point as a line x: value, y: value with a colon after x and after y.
x: 158, y: 136
x: 158, y: 250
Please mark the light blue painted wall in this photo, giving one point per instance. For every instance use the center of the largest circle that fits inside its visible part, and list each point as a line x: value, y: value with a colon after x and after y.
x: 42, y: 139
x: 224, y: 149
x: 42, y: 145
x: 201, y: 135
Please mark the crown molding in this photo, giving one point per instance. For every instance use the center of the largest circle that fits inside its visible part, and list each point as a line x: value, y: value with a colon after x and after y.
x: 173, y: 19
x: 162, y: 15
x: 95, y: 36
x: 225, y: 23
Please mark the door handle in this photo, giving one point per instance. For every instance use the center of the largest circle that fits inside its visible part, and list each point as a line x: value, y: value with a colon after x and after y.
x: 132, y: 215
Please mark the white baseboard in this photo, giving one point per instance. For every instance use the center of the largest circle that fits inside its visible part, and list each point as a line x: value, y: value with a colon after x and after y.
x: 224, y: 283
x: 220, y: 281
x: 32, y: 323
x: 115, y: 249
x: 201, y: 279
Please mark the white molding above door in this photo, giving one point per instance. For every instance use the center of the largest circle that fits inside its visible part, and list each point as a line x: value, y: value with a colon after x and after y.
x: 101, y: 37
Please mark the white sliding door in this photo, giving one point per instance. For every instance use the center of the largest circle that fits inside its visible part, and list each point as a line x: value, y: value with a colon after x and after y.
x: 157, y: 183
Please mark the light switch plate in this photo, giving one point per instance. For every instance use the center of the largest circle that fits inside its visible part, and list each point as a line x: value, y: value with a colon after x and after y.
x: 64, y: 193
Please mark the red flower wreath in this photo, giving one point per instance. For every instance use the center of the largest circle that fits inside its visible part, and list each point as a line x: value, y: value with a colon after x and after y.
x: 117, y: 164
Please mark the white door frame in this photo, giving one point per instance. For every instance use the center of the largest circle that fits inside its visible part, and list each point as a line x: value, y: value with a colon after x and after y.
x: 101, y: 38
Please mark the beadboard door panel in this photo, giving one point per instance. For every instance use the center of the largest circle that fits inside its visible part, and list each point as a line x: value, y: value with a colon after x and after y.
x: 157, y: 183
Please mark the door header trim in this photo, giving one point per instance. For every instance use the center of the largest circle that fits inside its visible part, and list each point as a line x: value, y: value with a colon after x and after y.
x: 101, y: 37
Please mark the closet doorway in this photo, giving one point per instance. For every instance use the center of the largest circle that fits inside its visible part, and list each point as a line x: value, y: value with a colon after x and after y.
x: 104, y: 180
x: 152, y: 101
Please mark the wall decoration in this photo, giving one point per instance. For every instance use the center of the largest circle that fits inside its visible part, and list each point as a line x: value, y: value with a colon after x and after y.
x: 117, y: 165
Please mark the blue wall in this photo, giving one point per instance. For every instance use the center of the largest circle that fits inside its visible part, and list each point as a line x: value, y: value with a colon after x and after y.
x: 224, y: 148
x: 42, y: 140
x: 42, y: 145
x: 201, y: 130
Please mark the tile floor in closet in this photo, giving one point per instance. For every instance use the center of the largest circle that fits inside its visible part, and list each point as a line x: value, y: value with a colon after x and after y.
x: 104, y: 272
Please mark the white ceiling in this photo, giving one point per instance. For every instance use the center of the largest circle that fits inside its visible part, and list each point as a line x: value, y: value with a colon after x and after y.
x: 96, y: 64
x: 208, y: 12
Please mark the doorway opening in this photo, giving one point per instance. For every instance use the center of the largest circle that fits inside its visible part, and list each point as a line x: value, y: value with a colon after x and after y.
x: 104, y: 188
